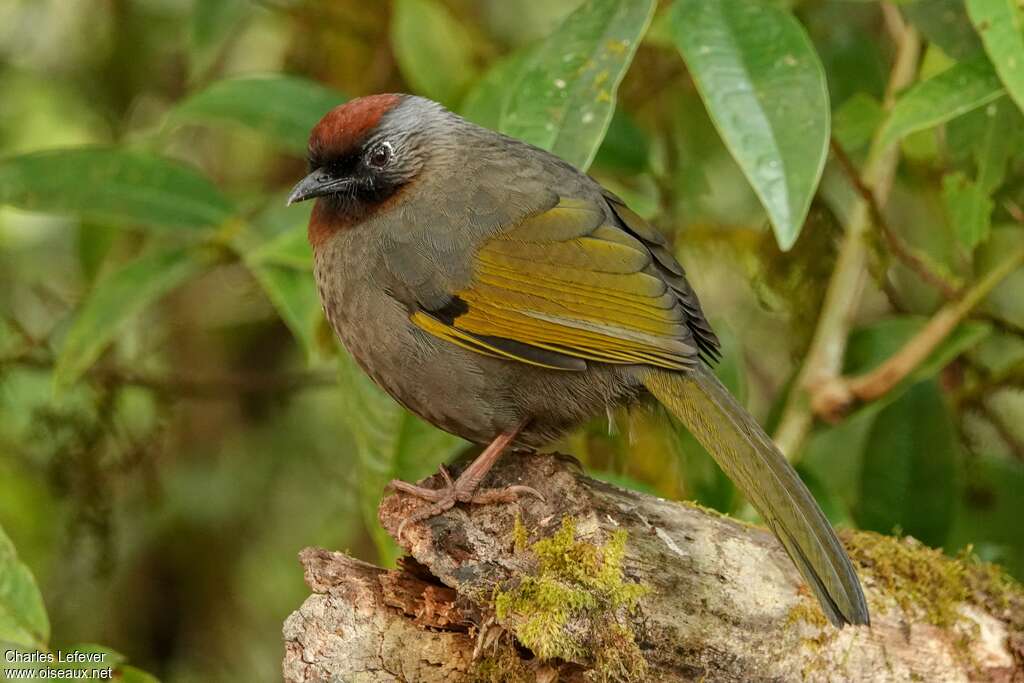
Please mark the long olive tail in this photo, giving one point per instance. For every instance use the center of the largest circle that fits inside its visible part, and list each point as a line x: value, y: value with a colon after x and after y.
x: 769, y: 482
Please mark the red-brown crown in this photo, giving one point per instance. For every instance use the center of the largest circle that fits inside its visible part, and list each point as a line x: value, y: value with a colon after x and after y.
x: 346, y: 126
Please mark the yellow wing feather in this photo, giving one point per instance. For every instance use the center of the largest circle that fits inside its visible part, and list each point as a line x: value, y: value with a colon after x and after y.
x: 573, y: 285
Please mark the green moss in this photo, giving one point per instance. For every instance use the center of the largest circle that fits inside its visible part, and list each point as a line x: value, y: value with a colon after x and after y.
x: 807, y: 610
x: 617, y: 656
x: 927, y: 585
x: 502, y: 665
x: 519, y: 535
x: 926, y: 582
x: 574, y: 606
x: 994, y: 589
x: 918, y: 578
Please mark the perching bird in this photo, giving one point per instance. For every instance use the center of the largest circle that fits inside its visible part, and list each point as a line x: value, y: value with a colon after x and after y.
x: 504, y: 296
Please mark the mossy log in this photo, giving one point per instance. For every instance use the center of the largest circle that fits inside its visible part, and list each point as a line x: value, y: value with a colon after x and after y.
x: 596, y: 583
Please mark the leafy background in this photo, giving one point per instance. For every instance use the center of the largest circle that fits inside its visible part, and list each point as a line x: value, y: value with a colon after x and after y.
x: 176, y: 422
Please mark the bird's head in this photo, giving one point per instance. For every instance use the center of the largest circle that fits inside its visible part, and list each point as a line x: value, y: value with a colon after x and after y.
x: 362, y: 155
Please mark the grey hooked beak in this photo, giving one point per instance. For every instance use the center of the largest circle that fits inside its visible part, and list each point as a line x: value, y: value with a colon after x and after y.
x: 316, y: 184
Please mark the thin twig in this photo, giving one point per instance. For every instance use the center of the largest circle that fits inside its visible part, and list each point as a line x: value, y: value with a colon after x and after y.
x: 895, y: 300
x: 906, y: 254
x: 1000, y: 323
x: 825, y: 357
x: 894, y: 24
x: 1013, y: 208
x: 897, y: 246
x: 833, y: 400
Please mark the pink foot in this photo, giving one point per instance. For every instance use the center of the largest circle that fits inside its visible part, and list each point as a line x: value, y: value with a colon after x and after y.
x: 462, y: 490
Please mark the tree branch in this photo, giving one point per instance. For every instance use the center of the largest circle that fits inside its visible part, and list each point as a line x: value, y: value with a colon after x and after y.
x: 912, y: 260
x: 825, y: 357
x: 715, y: 599
x: 896, y: 245
x: 833, y: 399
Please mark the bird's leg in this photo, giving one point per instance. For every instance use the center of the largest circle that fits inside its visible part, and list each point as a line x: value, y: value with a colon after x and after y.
x: 465, y: 489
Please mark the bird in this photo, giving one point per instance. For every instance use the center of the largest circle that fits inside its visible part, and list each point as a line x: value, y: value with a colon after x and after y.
x: 504, y: 296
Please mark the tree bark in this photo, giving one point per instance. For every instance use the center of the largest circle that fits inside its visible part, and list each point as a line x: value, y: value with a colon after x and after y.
x: 719, y: 600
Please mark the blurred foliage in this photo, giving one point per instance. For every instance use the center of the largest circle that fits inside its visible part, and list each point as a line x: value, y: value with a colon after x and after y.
x: 177, y: 420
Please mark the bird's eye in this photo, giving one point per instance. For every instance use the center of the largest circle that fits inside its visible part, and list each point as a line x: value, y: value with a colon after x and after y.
x: 380, y: 155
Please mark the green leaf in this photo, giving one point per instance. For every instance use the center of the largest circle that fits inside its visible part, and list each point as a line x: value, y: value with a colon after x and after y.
x: 988, y: 511
x: 909, y: 473
x: 871, y: 345
x: 969, y: 209
x: 834, y: 454
x: 764, y: 86
x: 626, y: 147
x: 998, y: 22
x: 391, y: 443
x: 212, y: 24
x: 270, y: 219
x: 281, y: 108
x: 965, y: 86
x: 292, y: 291
x: 855, y: 121
x: 1005, y: 300
x: 93, y: 243
x: 564, y: 97
x: 23, y: 620
x: 944, y: 23
x: 997, y: 144
x: 489, y: 96
x: 434, y: 52
x: 660, y: 32
x: 991, y: 135
x: 289, y: 248
x: 117, y: 185
x: 282, y: 261
x: 115, y: 300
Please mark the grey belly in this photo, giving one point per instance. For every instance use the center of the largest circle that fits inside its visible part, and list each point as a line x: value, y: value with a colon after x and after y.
x: 468, y: 394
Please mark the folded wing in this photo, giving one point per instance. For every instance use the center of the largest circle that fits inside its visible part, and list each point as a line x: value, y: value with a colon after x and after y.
x: 576, y: 284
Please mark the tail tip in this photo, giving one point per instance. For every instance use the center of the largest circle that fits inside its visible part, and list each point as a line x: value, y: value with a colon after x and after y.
x: 856, y: 613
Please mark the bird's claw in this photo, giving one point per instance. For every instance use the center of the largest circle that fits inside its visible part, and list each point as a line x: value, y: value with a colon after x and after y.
x: 452, y: 492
